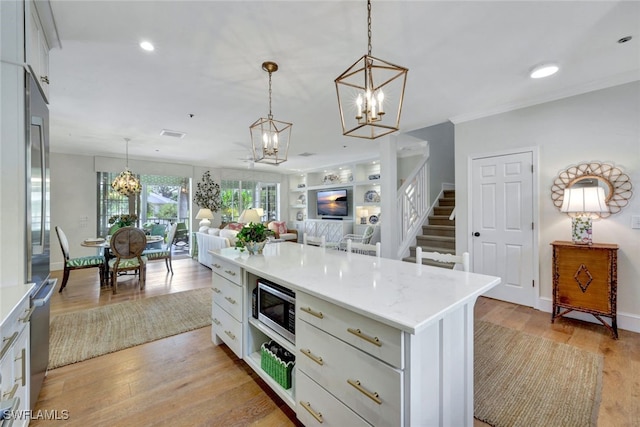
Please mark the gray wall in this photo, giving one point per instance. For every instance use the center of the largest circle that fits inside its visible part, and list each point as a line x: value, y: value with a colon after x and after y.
x: 441, y: 138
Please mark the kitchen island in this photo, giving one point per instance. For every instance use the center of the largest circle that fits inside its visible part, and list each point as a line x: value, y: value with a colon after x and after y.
x: 377, y: 341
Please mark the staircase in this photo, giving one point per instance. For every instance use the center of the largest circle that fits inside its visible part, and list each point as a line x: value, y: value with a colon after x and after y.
x: 440, y: 233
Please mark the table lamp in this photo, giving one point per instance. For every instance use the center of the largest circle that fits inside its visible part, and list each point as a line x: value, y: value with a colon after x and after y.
x: 581, y: 204
x: 364, y: 214
x: 252, y: 215
x: 204, y: 215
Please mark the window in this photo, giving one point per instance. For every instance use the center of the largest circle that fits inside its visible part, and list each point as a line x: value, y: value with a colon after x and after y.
x: 239, y: 195
x: 163, y: 200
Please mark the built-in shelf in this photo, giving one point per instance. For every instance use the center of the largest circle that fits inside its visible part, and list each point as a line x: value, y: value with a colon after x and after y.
x: 290, y: 347
x: 287, y: 395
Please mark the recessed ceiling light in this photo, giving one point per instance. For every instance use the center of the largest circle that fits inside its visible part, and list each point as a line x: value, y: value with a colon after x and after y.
x: 544, y: 70
x: 147, y: 46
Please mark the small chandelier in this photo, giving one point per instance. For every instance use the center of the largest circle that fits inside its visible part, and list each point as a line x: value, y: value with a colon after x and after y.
x: 269, y: 137
x: 126, y: 183
x: 366, y: 111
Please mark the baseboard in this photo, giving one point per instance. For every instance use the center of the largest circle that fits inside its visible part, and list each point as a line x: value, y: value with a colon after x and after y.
x: 626, y: 321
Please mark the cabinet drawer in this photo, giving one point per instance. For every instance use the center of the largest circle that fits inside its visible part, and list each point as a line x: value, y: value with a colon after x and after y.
x: 228, y: 295
x: 368, y: 386
x: 13, y: 324
x: 227, y: 329
x: 380, y: 340
x: 227, y: 270
x: 315, y: 407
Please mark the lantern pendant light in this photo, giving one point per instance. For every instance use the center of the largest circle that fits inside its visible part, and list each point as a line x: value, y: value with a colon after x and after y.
x: 270, y: 137
x: 370, y: 94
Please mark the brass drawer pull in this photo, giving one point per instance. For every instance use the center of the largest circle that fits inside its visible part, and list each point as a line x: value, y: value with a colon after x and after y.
x: 233, y: 337
x: 10, y: 394
x: 312, y: 312
x: 27, y: 316
x: 217, y: 265
x: 312, y: 356
x: 316, y: 415
x: 216, y: 290
x: 359, y: 334
x: 216, y: 321
x: 230, y: 273
x: 23, y: 361
x: 371, y: 395
x: 231, y: 300
x: 9, y: 341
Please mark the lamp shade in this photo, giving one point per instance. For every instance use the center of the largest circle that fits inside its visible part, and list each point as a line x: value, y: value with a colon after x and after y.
x: 248, y: 216
x: 204, y: 214
x: 584, y: 200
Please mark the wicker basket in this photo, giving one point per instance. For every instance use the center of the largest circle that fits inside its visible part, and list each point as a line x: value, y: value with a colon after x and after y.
x: 277, y: 369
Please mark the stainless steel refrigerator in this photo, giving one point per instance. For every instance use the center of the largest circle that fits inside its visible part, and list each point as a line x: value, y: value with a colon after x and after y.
x: 38, y: 227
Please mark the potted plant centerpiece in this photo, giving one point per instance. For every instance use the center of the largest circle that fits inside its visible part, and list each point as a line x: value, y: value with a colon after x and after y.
x: 253, y: 237
x: 122, y: 220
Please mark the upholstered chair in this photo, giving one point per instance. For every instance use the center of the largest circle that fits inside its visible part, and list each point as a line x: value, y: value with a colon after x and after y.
x: 127, y: 245
x: 94, y: 261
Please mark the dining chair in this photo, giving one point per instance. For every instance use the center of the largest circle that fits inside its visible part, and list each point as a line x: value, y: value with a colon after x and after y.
x: 79, y: 262
x: 165, y: 251
x: 462, y: 260
x: 127, y: 245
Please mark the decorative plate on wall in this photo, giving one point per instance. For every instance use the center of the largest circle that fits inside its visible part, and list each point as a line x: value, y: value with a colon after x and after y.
x: 299, y: 216
x: 371, y: 196
x: 373, y: 219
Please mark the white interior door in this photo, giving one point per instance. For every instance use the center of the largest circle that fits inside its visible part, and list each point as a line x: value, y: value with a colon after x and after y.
x: 502, y: 224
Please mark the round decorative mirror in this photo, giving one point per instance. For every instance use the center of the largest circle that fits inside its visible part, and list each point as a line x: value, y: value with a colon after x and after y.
x: 616, y: 185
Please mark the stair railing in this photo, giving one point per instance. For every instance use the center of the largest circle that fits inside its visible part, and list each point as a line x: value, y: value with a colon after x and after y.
x: 413, y: 206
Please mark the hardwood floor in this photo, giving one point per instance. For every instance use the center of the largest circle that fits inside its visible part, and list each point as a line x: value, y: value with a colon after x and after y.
x: 187, y: 381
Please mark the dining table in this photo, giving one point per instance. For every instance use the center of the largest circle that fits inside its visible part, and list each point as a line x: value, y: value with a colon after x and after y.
x: 102, y: 244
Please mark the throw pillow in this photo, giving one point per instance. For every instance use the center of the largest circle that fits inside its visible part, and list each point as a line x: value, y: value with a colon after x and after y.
x: 235, y: 226
x: 214, y: 231
x: 280, y: 226
x: 230, y: 235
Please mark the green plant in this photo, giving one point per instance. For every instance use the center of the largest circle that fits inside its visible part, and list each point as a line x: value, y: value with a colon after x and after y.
x: 123, y: 220
x: 207, y: 193
x: 252, y: 232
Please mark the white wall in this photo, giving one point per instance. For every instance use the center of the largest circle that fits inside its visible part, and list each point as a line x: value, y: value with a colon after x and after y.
x: 603, y: 126
x: 73, y: 204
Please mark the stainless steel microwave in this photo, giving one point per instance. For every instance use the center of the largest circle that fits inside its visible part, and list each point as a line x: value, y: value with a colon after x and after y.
x: 277, y: 308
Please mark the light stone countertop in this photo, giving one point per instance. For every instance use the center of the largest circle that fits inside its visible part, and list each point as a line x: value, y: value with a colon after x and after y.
x: 398, y: 293
x: 10, y: 296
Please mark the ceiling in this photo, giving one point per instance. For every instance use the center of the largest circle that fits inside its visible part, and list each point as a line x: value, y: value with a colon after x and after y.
x: 466, y: 60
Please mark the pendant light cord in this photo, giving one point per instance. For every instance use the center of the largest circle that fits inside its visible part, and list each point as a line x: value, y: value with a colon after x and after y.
x: 369, y: 26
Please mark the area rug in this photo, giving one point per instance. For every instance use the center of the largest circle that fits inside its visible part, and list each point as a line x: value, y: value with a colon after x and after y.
x: 85, y: 334
x: 525, y: 380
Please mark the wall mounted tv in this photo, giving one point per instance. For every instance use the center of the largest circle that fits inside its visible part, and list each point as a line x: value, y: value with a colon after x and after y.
x: 332, y: 203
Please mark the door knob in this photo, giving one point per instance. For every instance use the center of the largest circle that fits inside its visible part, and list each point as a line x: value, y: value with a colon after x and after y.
x: 476, y: 234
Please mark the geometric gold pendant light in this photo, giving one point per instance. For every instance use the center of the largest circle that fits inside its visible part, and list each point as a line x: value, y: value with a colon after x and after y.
x: 370, y: 94
x: 270, y: 137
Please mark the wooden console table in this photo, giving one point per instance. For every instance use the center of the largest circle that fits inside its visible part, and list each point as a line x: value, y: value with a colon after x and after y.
x: 585, y: 279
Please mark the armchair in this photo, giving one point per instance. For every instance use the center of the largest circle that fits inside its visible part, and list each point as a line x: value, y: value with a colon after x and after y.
x: 281, y: 231
x: 364, y: 243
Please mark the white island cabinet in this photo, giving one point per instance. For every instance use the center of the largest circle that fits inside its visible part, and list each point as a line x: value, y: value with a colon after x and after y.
x: 14, y: 351
x: 378, y: 341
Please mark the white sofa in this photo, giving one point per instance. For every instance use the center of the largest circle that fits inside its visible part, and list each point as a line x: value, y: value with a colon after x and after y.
x: 207, y: 242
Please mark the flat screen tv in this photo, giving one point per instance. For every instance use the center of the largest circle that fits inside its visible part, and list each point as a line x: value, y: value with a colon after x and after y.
x: 333, y: 203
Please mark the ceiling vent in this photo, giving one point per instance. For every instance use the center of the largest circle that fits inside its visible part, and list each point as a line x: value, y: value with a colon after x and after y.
x: 172, y: 133
x: 306, y: 154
